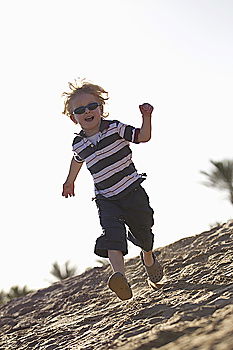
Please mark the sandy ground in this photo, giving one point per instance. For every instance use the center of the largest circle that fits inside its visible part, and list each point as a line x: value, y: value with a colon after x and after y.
x: 192, y: 311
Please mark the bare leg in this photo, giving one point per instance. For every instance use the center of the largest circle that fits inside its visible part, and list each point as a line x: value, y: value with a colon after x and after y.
x: 148, y: 258
x: 118, y: 282
x: 117, y: 261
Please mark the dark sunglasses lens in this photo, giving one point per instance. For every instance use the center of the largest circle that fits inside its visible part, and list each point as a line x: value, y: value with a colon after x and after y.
x: 92, y: 106
x: 79, y: 110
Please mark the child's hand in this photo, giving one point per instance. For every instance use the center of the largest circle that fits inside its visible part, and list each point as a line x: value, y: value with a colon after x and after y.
x: 146, y: 109
x: 68, y: 189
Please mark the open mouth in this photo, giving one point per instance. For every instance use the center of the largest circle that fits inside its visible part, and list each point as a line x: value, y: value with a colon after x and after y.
x: 89, y: 119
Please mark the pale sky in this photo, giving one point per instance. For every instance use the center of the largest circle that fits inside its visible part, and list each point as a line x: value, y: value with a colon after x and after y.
x: 175, y: 54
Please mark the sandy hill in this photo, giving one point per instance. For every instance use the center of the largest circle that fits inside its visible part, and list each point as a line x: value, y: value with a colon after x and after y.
x: 192, y: 311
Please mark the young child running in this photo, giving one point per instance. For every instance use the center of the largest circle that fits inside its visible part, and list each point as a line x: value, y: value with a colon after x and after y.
x: 121, y: 200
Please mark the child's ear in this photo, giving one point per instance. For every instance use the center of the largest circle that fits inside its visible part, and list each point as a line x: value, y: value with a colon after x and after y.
x: 73, y: 119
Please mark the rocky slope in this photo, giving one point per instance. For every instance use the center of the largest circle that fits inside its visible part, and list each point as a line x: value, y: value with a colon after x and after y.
x: 192, y: 311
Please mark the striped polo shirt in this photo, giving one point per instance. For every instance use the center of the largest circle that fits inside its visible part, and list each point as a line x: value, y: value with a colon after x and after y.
x: 110, y: 160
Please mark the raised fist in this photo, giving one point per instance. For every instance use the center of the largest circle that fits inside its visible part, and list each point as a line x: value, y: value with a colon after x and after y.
x: 146, y: 109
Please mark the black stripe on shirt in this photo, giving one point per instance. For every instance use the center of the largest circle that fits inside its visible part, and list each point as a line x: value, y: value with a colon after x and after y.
x: 115, y: 178
x: 111, y: 160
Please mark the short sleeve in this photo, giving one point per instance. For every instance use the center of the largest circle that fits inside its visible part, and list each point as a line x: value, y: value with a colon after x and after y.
x: 77, y: 158
x: 128, y: 132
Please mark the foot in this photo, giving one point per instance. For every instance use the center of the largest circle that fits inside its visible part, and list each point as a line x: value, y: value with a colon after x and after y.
x: 118, y: 284
x: 154, y: 271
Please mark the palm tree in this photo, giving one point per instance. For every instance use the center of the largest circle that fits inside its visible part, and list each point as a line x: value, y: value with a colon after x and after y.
x: 14, y: 292
x: 17, y: 291
x: 221, y: 177
x: 63, y: 272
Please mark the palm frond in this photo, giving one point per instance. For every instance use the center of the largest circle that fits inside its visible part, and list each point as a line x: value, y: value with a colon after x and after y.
x: 63, y: 272
x: 221, y: 176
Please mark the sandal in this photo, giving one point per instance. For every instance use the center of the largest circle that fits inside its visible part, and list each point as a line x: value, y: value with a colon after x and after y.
x: 118, y: 284
x: 154, y: 272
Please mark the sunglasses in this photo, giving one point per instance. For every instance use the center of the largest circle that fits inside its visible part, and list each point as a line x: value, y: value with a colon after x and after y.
x: 91, y: 106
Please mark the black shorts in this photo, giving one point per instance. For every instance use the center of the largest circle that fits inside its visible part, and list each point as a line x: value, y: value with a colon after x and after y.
x: 133, y: 211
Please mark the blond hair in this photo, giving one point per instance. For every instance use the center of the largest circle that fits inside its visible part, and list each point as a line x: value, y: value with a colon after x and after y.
x: 83, y: 86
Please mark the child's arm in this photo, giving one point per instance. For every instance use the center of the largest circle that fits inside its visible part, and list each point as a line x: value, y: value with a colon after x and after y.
x: 145, y: 131
x: 68, y: 186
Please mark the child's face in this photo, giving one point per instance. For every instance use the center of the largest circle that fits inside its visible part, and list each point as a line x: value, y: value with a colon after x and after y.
x: 89, y: 119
